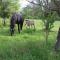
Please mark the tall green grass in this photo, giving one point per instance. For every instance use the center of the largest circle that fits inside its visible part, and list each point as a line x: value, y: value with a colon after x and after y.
x: 29, y: 44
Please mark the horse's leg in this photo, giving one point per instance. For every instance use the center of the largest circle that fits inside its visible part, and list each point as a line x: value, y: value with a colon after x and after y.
x: 21, y: 25
x: 19, y: 28
x: 34, y: 26
x: 12, y: 32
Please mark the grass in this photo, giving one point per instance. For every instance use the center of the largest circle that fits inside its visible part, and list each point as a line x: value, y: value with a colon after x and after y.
x: 29, y: 44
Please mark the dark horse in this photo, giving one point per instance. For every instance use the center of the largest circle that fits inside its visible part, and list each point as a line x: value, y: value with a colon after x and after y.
x: 16, y: 19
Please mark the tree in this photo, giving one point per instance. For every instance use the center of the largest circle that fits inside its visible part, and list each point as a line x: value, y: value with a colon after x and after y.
x: 49, y: 21
x: 7, y: 7
x: 27, y: 12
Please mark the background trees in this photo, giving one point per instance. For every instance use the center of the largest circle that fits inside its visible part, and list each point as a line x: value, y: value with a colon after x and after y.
x: 7, y: 7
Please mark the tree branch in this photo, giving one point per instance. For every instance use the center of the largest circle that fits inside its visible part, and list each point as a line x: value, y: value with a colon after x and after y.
x: 33, y: 2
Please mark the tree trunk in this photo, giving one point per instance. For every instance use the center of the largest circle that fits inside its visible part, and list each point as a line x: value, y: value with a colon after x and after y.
x: 57, y: 45
x: 47, y: 33
x: 4, y: 22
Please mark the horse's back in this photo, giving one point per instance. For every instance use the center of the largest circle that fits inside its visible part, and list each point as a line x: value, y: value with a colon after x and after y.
x: 17, y: 18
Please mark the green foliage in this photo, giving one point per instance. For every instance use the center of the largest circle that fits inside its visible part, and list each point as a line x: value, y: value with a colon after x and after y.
x: 33, y: 12
x: 49, y: 20
x: 7, y: 7
x: 27, y: 12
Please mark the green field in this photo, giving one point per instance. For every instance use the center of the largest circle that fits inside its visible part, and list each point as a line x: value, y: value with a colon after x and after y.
x: 29, y: 44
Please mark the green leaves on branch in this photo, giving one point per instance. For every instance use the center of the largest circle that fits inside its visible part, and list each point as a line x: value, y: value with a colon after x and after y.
x: 50, y: 19
x: 8, y: 6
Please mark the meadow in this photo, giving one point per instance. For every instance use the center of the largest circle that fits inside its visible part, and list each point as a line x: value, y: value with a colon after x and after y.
x: 29, y: 44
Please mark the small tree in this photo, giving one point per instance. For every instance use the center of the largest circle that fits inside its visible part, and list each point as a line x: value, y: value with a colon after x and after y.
x: 49, y: 21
